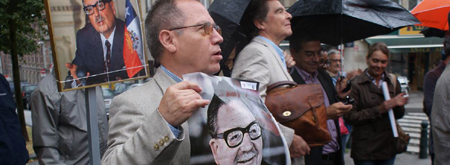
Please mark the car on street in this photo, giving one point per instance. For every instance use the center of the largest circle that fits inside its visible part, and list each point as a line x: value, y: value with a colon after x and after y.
x: 108, y: 95
x: 26, y: 93
x: 404, y: 83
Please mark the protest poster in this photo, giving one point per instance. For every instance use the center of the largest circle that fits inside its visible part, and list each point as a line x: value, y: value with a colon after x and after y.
x: 236, y: 127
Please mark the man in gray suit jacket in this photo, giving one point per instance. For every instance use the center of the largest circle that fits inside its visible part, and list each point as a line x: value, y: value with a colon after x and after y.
x: 266, y: 23
x: 440, y: 114
x: 148, y: 123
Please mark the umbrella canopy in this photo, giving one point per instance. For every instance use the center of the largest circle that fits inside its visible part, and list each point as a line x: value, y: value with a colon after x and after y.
x: 227, y: 14
x: 432, y: 32
x: 433, y: 13
x: 341, y: 21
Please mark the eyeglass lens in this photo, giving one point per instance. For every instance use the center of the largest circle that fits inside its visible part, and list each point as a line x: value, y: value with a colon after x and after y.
x: 89, y: 9
x: 209, y: 28
x: 235, y: 137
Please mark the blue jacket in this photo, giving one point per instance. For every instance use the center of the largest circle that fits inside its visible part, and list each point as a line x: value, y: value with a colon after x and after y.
x: 12, y: 143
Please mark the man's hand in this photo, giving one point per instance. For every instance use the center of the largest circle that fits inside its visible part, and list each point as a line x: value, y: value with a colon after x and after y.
x: 340, y: 86
x: 398, y: 100
x: 180, y: 101
x: 299, y: 147
x: 289, y: 60
x: 352, y: 74
x: 73, y: 72
x: 337, y: 110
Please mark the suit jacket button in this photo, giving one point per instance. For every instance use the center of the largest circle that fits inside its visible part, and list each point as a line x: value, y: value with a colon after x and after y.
x: 166, y: 138
x: 156, y: 146
x: 161, y: 142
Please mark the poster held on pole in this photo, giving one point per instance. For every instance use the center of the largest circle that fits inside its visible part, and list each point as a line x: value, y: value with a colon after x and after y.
x: 93, y: 133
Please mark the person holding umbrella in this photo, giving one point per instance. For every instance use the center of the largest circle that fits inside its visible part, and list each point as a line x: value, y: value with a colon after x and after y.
x: 265, y: 24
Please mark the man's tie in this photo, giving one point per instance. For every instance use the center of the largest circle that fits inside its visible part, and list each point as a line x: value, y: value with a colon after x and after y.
x: 108, y: 59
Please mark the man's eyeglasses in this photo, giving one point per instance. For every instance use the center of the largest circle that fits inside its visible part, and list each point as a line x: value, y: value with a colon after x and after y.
x: 335, y: 60
x: 89, y: 9
x: 235, y: 136
x: 207, y: 27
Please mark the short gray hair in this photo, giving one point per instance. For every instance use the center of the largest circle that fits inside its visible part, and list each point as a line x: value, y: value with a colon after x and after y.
x: 333, y: 51
x: 163, y: 15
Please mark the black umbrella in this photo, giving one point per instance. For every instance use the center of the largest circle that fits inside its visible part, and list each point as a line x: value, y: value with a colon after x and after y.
x: 227, y: 14
x: 340, y: 21
x: 433, y: 32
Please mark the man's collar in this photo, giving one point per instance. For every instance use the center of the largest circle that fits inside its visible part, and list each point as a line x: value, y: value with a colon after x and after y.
x: 278, y: 49
x: 171, y: 75
x: 331, y: 73
x: 305, y: 75
x: 110, y: 38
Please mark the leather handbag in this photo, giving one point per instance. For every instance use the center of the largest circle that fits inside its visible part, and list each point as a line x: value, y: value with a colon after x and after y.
x: 402, y: 139
x: 300, y: 107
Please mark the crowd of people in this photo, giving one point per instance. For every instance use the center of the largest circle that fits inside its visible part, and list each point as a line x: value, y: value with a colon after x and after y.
x: 149, y: 124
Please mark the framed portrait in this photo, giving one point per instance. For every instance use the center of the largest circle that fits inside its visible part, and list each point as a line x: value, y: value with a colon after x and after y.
x: 96, y: 42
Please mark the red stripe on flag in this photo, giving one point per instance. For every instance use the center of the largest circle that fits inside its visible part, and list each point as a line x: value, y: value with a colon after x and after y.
x: 130, y: 56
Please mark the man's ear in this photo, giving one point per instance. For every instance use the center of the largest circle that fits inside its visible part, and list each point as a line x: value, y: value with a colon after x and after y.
x: 214, y: 147
x: 168, y: 40
x: 112, y: 7
x: 293, y: 52
x: 259, y: 24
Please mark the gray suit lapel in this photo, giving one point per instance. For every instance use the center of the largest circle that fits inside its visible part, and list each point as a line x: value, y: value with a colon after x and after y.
x: 163, y: 80
x: 274, y: 54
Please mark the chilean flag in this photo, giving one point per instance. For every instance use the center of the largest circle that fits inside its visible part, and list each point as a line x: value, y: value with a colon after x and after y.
x: 132, y: 46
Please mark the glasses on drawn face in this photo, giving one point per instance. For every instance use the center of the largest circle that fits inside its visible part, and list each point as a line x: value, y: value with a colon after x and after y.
x: 89, y: 9
x: 207, y: 27
x: 235, y: 136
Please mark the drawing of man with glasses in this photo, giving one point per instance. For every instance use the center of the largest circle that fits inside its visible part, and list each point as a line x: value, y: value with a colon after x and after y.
x: 236, y: 135
x: 99, y: 46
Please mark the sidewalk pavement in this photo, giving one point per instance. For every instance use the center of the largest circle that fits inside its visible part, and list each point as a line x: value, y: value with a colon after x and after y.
x: 401, y: 159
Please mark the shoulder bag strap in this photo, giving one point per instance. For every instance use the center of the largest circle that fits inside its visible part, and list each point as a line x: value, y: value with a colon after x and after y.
x: 280, y: 83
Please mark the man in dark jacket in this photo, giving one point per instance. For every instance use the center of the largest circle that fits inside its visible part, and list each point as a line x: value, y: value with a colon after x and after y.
x: 12, y: 143
x: 429, y: 84
x: 305, y: 49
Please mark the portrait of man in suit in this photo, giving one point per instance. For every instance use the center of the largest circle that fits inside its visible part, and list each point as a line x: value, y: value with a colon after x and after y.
x: 236, y: 135
x: 99, y: 47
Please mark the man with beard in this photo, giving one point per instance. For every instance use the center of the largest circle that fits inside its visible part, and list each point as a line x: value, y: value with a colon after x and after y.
x: 236, y: 135
x: 99, y: 54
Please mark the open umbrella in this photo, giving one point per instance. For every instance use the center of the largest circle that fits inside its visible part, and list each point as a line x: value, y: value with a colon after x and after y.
x: 433, y: 13
x: 432, y: 32
x: 341, y: 21
x: 227, y: 14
